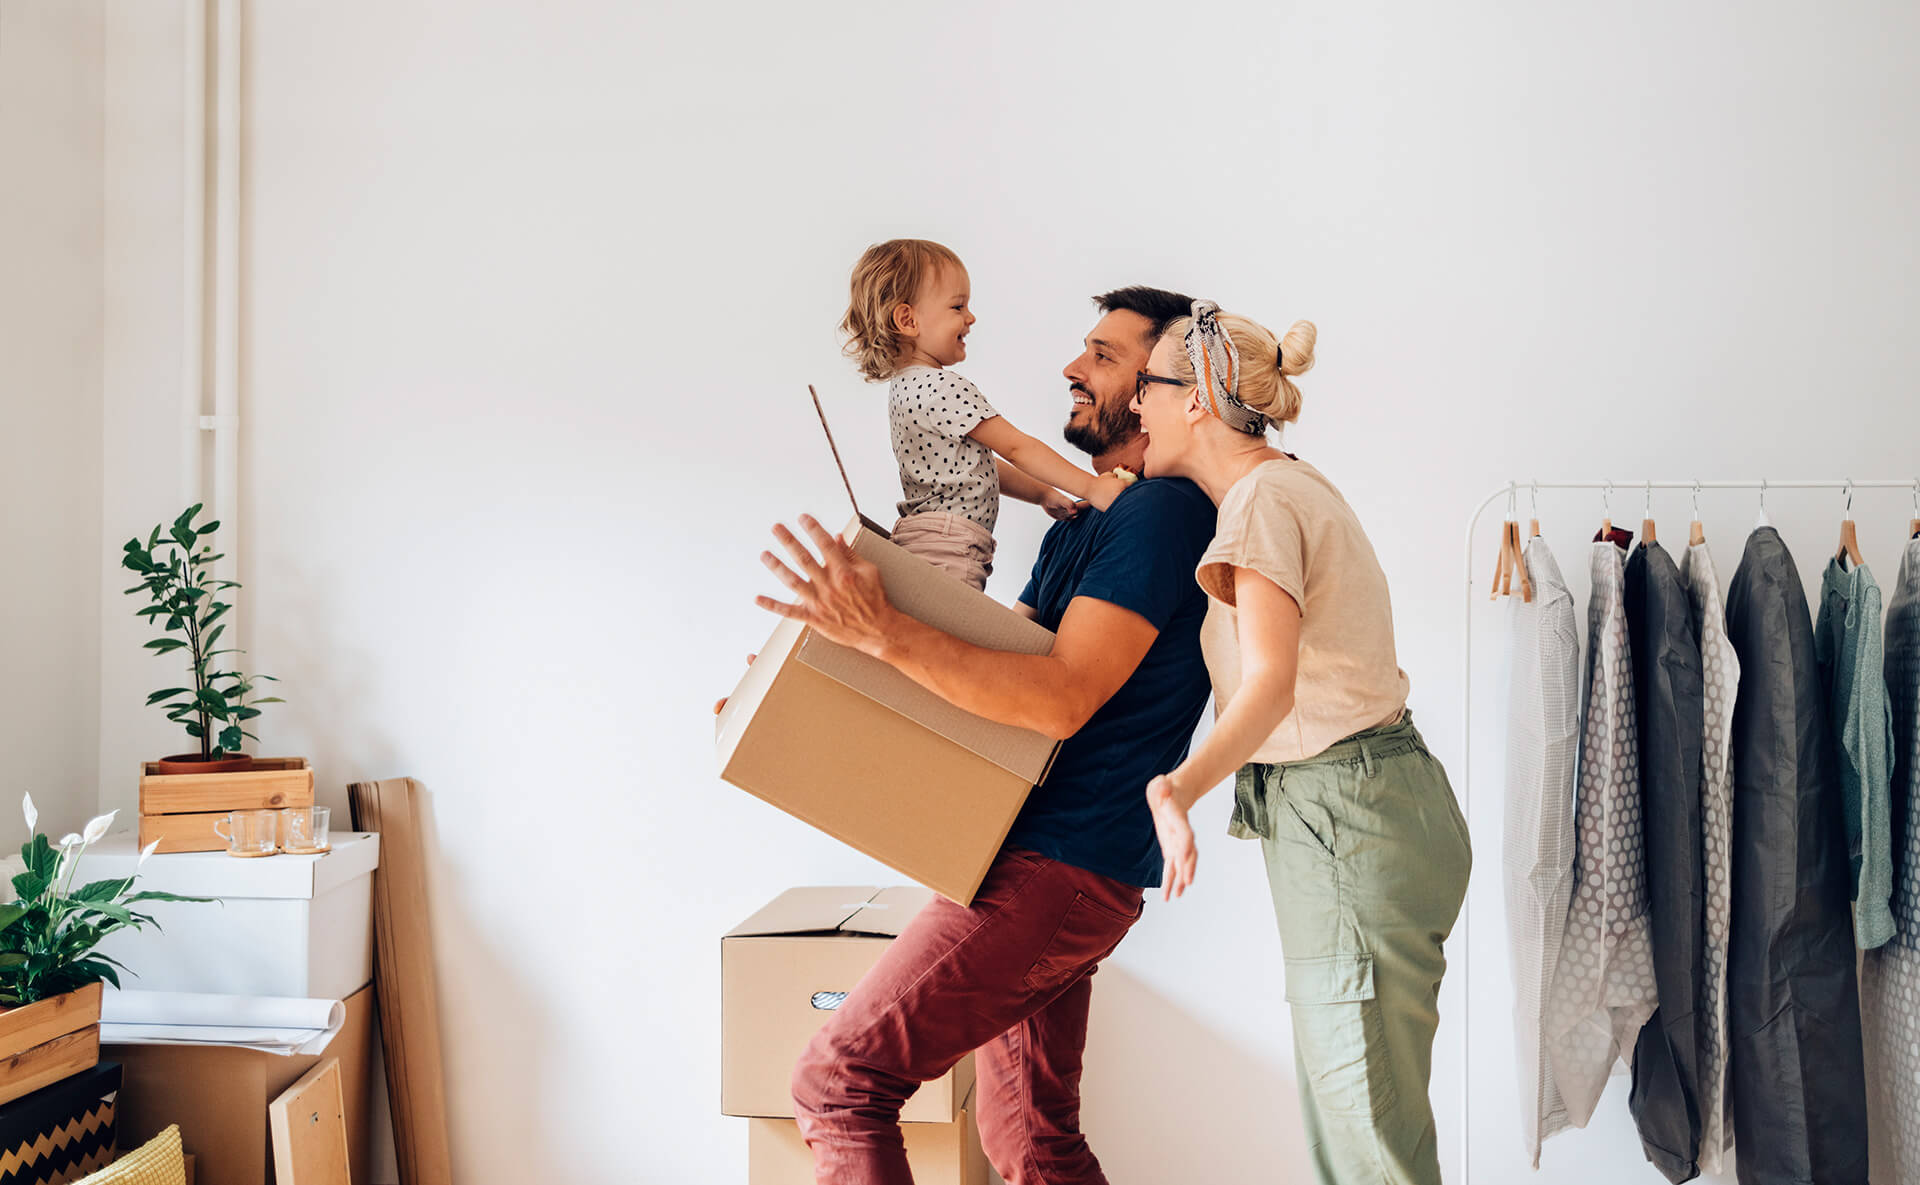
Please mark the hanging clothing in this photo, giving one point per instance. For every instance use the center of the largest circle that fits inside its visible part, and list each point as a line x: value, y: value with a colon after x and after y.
x: 1603, y: 988
x: 1847, y: 641
x: 1669, y: 706
x: 1890, y: 976
x: 1543, y: 739
x: 1799, y: 1088
x: 1720, y: 678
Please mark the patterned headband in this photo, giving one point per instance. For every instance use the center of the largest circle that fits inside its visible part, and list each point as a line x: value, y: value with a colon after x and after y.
x: 1216, y: 368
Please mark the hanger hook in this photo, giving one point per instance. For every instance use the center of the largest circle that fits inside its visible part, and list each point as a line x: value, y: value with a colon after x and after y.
x: 1649, y: 510
x: 1513, y: 499
x: 1849, y: 497
x: 1606, y: 499
x: 1696, y: 499
x: 1535, y: 503
x: 1916, y: 497
x: 1763, y: 495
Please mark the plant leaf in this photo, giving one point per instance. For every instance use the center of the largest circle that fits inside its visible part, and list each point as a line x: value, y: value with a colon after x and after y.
x: 165, y: 645
x: 105, y: 890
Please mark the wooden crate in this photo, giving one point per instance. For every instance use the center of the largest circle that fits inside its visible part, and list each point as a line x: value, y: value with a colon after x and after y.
x: 272, y: 783
x: 43, y: 1042
x: 180, y: 810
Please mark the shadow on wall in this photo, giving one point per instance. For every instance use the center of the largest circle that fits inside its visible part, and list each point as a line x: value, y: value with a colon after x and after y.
x: 1168, y: 1097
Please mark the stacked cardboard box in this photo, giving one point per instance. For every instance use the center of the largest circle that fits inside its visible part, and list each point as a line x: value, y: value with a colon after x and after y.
x: 850, y: 745
x: 180, y: 810
x: 782, y: 972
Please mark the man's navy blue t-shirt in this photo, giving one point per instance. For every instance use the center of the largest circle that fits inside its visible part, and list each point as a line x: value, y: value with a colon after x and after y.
x: 1140, y: 554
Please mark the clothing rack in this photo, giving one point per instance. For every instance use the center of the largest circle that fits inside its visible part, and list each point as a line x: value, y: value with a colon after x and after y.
x: 1511, y: 491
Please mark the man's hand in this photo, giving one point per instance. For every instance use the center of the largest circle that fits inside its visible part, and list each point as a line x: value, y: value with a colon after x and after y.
x: 1176, y: 837
x: 840, y: 594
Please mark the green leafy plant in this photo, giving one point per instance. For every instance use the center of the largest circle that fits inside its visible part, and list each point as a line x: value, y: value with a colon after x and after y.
x: 181, y: 586
x: 48, y: 936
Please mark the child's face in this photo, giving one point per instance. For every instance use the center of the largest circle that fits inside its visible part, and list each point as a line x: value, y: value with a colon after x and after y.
x: 940, y: 312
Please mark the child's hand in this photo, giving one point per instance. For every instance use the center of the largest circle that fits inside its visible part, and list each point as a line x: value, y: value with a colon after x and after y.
x: 1058, y: 505
x: 1105, y: 489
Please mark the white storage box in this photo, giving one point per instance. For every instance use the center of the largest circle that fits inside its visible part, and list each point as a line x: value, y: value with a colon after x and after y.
x: 286, y: 925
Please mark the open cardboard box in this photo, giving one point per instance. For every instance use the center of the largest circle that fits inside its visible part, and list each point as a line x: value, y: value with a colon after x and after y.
x: 848, y: 744
x: 779, y: 973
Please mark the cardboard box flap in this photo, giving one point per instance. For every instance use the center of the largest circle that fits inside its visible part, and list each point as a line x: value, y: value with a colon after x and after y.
x: 888, y: 911
x: 811, y: 910
x: 930, y: 595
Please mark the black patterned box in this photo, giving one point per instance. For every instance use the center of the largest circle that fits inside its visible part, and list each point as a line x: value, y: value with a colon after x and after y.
x: 62, y: 1132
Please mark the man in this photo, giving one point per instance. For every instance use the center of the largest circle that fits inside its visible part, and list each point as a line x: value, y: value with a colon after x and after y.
x: 1123, y: 686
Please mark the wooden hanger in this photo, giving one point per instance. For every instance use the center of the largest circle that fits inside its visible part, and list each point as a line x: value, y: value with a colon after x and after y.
x: 1503, y: 566
x: 1913, y: 526
x: 1849, y: 549
x: 1606, y: 516
x: 1646, y: 524
x: 1696, y: 534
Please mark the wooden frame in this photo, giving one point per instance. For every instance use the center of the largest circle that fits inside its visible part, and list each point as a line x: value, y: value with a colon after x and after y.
x: 309, y: 1125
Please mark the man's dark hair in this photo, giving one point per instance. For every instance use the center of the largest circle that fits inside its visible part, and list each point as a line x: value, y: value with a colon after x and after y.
x: 1155, y: 304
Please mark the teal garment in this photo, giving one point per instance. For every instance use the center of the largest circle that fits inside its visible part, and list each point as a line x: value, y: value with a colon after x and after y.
x: 1848, y: 642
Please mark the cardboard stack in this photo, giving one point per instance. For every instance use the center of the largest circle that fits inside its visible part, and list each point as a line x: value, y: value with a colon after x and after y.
x: 850, y: 745
x: 180, y: 810
x: 782, y: 971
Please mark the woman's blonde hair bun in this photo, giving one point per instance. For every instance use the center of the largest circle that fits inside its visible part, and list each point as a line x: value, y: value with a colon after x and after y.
x: 1266, y: 362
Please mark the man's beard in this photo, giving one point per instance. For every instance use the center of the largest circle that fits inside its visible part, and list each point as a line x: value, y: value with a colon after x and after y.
x: 1111, y: 426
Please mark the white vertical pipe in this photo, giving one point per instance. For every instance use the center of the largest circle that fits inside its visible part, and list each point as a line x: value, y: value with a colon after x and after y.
x: 193, y: 221
x: 226, y: 294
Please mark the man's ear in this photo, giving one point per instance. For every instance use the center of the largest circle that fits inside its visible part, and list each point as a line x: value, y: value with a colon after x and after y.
x: 904, y: 322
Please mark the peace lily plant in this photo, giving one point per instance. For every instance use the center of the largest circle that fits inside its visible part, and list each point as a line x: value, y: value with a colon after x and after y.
x: 48, y: 936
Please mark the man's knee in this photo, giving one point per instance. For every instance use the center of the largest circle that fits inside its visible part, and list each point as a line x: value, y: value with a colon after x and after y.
x: 808, y: 1083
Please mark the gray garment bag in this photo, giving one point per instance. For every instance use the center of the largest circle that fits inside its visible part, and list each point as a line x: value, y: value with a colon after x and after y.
x: 1797, y: 1078
x: 1669, y: 706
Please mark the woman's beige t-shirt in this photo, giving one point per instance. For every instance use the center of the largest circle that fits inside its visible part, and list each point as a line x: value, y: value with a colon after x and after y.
x: 1287, y: 522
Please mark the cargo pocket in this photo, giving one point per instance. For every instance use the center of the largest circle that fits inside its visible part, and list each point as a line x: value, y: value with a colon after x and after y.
x: 1087, y: 931
x: 1341, y: 1035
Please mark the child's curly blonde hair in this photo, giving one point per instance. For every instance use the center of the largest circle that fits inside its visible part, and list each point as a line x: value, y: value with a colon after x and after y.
x: 888, y: 275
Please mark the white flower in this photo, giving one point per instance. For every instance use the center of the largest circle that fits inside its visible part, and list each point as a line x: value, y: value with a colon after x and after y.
x: 69, y: 840
x: 146, y: 852
x: 97, y: 827
x: 33, y: 816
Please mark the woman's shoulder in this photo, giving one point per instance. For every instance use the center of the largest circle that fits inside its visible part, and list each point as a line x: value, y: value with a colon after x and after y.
x: 1286, y: 478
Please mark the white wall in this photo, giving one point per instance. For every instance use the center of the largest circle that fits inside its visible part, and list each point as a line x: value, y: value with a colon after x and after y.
x: 531, y: 300
x: 50, y: 466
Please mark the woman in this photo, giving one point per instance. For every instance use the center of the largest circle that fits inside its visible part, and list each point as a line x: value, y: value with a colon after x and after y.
x: 1367, y: 854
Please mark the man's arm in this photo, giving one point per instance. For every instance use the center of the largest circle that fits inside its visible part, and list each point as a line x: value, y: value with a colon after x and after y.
x: 1095, y: 650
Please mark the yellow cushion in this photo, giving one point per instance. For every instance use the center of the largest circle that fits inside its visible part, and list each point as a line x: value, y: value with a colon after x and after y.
x: 157, y: 1162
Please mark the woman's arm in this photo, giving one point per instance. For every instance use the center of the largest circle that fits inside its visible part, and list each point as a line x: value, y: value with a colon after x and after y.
x: 1042, y: 463
x: 1269, y: 659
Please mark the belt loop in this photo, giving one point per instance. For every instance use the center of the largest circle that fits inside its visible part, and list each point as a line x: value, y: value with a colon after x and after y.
x: 1366, y: 759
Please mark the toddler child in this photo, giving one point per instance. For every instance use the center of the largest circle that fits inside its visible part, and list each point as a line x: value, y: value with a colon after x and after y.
x: 907, y: 323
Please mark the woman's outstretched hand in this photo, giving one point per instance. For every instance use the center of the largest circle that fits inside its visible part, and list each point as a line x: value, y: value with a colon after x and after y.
x: 1176, y: 837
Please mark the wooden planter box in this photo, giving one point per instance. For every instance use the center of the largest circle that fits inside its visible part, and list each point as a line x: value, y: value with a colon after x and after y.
x: 43, y: 1042
x: 180, y: 810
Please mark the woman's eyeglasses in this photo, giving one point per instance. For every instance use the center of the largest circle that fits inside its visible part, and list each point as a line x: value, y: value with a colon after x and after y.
x: 1141, y: 378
